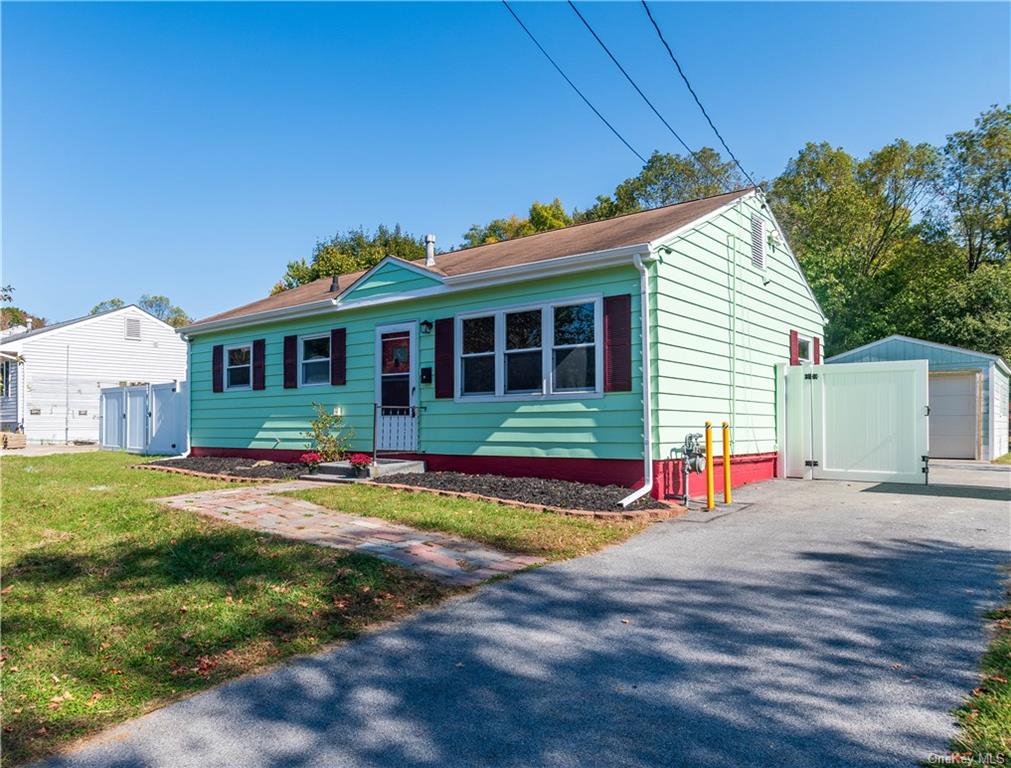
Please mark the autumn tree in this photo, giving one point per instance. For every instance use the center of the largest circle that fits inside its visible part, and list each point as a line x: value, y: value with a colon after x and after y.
x: 351, y: 251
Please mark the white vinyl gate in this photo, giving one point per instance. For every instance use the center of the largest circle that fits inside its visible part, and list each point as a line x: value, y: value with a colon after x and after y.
x: 146, y: 419
x: 854, y: 421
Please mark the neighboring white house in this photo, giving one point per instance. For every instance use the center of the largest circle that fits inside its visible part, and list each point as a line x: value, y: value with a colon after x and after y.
x: 52, y: 376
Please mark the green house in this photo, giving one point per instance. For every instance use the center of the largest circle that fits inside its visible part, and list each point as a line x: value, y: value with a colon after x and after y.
x: 585, y: 353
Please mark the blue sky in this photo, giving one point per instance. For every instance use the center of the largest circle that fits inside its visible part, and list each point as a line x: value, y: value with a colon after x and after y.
x: 193, y: 149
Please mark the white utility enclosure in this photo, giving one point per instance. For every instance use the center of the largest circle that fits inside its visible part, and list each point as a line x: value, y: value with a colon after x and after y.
x: 854, y: 421
x: 145, y: 419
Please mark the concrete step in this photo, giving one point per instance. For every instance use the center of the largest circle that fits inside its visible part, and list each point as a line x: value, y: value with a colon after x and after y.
x: 343, y: 472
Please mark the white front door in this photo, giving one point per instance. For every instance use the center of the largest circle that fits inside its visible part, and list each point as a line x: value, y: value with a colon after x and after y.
x: 397, y: 387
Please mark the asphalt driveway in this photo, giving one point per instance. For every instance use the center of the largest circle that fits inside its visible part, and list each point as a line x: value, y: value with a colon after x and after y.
x: 819, y: 623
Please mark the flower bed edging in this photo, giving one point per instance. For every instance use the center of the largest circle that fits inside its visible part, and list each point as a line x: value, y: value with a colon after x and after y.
x: 209, y: 475
x: 670, y: 510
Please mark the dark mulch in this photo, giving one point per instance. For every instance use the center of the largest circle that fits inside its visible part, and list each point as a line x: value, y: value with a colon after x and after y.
x: 235, y: 467
x: 531, y: 490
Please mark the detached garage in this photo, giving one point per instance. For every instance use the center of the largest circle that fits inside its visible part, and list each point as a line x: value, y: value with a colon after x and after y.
x: 968, y: 394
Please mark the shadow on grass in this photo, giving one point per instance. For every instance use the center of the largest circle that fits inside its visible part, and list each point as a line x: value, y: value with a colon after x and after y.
x: 817, y: 661
x: 142, y: 621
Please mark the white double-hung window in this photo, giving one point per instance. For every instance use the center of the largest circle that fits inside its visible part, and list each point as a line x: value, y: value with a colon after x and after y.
x: 314, y: 359
x: 528, y: 352
x: 239, y: 366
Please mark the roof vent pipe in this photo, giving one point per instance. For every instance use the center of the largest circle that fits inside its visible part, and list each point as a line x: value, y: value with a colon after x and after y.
x: 429, y: 250
x: 334, y: 284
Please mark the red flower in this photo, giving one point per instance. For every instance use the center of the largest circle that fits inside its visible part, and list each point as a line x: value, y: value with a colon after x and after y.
x: 360, y: 460
x: 311, y: 458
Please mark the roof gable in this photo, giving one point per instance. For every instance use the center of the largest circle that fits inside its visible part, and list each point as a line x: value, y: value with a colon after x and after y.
x: 56, y: 327
x: 389, y: 277
x: 897, y: 344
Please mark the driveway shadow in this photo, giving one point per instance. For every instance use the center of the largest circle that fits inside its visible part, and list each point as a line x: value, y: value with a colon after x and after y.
x: 831, y: 658
x: 981, y: 492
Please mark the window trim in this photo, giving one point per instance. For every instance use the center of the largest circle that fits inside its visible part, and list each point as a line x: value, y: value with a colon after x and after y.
x: 301, y: 351
x: 225, y: 366
x: 809, y: 340
x: 547, y: 351
x: 5, y: 375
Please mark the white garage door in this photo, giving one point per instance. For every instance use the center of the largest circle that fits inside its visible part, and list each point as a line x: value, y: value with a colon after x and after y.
x: 954, y: 415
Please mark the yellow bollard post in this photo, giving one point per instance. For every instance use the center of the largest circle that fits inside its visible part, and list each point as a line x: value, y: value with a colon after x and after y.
x: 726, y: 464
x: 710, y: 500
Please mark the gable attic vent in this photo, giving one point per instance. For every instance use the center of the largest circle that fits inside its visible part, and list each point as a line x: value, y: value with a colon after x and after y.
x: 758, y: 241
x: 133, y: 328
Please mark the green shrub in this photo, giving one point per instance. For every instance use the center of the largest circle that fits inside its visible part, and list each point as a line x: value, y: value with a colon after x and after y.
x: 327, y: 435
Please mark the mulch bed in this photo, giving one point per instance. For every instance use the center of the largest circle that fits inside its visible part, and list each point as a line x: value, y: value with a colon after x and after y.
x: 556, y: 495
x: 227, y: 468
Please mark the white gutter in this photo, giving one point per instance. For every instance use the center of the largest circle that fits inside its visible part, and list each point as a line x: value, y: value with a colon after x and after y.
x: 299, y: 310
x: 647, y: 399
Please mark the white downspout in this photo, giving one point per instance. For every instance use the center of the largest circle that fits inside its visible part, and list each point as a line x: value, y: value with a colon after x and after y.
x: 647, y: 399
x: 189, y: 396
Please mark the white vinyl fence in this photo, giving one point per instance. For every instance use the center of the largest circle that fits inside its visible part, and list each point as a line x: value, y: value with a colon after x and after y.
x: 854, y: 421
x: 151, y: 418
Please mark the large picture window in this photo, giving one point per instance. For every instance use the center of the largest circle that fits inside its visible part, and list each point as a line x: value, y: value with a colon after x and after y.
x: 239, y: 367
x: 314, y: 360
x: 531, y: 352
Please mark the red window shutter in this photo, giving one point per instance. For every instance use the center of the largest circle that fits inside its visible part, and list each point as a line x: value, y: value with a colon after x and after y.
x: 290, y: 362
x: 618, y: 343
x: 817, y: 351
x: 338, y: 356
x: 794, y: 348
x: 218, y: 368
x: 259, y: 364
x: 444, y: 350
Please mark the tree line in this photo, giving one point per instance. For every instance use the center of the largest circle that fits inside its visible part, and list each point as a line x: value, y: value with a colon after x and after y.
x: 911, y: 239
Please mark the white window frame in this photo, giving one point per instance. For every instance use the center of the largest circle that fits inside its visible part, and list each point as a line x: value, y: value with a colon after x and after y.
x: 547, y: 351
x: 329, y: 358
x: 239, y: 387
x: 5, y: 374
x: 810, y: 349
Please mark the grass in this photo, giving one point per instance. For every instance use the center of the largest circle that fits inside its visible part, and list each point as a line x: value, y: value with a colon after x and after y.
x: 113, y: 606
x: 985, y: 718
x: 527, y: 531
x: 1005, y: 459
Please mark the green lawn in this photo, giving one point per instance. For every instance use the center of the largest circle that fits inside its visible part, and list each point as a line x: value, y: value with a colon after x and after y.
x: 1005, y: 459
x: 514, y: 529
x: 985, y: 718
x: 112, y: 605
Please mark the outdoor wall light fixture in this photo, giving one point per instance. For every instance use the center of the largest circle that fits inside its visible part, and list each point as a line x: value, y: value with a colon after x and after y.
x: 426, y: 327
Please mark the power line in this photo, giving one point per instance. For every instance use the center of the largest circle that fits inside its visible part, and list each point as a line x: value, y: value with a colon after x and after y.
x: 694, y: 95
x: 572, y: 84
x: 643, y: 95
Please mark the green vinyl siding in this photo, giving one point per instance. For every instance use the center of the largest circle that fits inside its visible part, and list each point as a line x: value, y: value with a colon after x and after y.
x: 697, y: 375
x: 608, y: 426
x: 391, y: 278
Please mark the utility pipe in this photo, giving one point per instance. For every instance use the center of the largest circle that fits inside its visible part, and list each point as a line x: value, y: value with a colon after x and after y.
x: 726, y: 464
x: 710, y: 491
x: 647, y: 399
x: 732, y: 247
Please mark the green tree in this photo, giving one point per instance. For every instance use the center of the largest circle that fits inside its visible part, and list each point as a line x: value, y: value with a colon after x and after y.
x: 105, y: 306
x: 351, y: 251
x: 667, y: 179
x: 976, y: 186
x: 541, y: 217
x: 14, y: 316
x: 163, y: 308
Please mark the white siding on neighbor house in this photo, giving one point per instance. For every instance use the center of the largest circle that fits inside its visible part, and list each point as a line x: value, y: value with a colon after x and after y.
x: 695, y: 359
x: 65, y: 369
x: 9, y: 400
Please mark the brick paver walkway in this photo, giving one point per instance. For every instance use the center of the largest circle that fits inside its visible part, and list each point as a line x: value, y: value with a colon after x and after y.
x: 447, y: 558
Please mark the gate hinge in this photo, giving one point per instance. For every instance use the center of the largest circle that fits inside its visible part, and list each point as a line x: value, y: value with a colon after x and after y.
x: 810, y: 463
x: 810, y: 375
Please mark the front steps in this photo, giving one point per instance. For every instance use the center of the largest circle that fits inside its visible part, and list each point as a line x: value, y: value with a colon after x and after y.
x: 343, y: 472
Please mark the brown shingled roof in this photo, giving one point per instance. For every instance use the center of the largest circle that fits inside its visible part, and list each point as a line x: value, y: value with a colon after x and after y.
x: 629, y: 229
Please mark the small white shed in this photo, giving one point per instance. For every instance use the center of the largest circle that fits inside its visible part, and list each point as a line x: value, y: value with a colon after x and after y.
x: 52, y: 376
x: 968, y: 395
